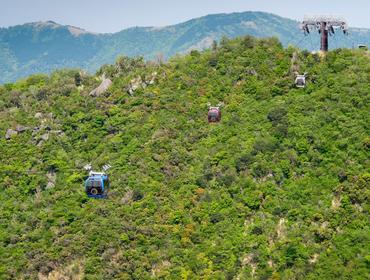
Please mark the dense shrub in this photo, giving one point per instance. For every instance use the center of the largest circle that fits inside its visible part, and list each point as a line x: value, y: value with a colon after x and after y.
x: 278, y: 188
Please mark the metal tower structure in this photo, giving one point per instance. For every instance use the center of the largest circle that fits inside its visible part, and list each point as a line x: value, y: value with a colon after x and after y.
x: 325, y: 25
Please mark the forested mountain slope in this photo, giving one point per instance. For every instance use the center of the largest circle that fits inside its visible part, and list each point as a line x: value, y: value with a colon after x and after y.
x: 42, y: 47
x: 279, y: 189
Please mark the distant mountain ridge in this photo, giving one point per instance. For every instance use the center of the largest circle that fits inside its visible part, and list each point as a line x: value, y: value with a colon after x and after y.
x: 46, y: 46
x: 74, y: 30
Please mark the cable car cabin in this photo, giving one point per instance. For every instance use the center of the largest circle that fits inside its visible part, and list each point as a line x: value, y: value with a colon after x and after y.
x: 363, y: 47
x: 214, y: 114
x: 97, y: 185
x: 300, y: 81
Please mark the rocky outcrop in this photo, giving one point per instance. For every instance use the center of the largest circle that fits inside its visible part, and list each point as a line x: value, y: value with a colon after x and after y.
x: 134, y: 85
x: 12, y: 132
x: 52, y: 178
x: 39, y: 139
x: 43, y: 132
x: 294, y: 64
x: 151, y: 79
x: 102, y: 88
x: 9, y: 133
x: 21, y: 128
x: 43, y: 128
x: 38, y: 115
x: 138, y: 82
x: 43, y: 138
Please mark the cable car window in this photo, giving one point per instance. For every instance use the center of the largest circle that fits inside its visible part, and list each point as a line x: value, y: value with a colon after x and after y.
x: 213, y: 114
x: 94, y: 184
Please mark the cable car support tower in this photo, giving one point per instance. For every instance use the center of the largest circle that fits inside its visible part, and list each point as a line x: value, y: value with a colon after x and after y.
x: 325, y: 25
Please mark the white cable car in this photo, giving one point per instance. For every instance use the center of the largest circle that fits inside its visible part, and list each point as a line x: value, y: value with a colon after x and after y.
x: 300, y: 81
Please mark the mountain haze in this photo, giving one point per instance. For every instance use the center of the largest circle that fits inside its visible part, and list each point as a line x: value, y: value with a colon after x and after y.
x: 46, y: 46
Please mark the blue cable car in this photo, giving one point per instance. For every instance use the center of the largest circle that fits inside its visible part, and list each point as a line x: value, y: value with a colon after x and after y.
x: 97, y: 185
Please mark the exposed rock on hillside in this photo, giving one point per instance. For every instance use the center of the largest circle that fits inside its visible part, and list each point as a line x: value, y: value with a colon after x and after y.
x: 138, y: 82
x: 9, y: 133
x: 12, y: 132
x: 52, y: 177
x: 102, y: 88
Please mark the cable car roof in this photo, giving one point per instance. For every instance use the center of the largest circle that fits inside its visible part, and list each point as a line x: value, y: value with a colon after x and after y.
x: 97, y: 175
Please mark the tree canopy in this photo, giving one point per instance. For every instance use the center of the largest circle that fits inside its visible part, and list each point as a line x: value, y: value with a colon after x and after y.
x: 279, y: 189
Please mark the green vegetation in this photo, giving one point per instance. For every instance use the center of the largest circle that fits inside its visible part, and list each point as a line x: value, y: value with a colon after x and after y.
x: 279, y: 189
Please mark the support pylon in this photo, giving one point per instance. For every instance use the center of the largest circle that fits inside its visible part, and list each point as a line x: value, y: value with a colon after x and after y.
x: 325, y: 25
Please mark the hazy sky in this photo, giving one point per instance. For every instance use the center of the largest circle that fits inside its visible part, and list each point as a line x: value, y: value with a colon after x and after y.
x: 115, y: 15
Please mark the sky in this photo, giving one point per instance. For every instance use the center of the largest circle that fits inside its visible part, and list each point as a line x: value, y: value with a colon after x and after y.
x: 108, y: 16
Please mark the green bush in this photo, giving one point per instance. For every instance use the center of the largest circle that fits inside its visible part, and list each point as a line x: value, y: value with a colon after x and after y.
x: 280, y: 186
